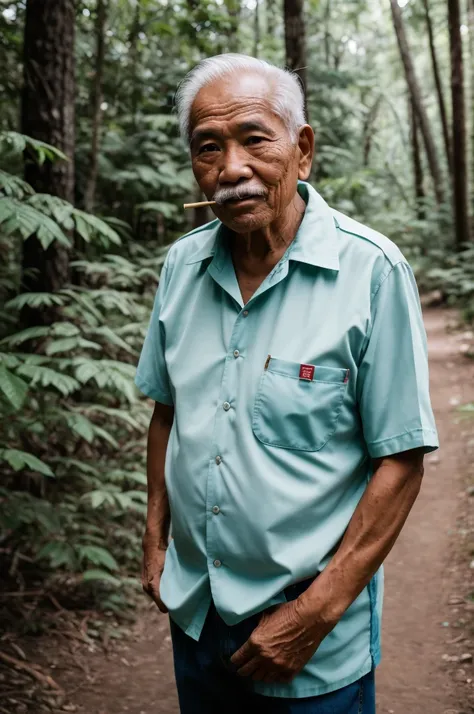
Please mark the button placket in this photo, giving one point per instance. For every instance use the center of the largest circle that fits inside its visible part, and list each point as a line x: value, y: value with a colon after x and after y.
x: 228, y: 392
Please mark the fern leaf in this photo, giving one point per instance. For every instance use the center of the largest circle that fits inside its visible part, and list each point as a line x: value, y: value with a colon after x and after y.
x: 168, y: 210
x: 119, y: 414
x: 8, y: 360
x: 90, y: 227
x: 14, y: 186
x: 81, y: 466
x: 66, y: 344
x: 24, y: 220
x: 31, y: 333
x: 14, y: 388
x: 66, y: 329
x: 15, y: 143
x: 54, y: 207
x: 90, y: 313
x: 34, y: 300
x: 98, y: 498
x: 99, y: 431
x: 113, y: 338
x: 101, y: 575
x: 19, y: 460
x: 49, y: 377
x: 82, y: 426
x: 98, y: 556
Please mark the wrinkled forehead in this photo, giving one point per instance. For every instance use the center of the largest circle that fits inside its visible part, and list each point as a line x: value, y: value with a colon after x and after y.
x: 234, y: 95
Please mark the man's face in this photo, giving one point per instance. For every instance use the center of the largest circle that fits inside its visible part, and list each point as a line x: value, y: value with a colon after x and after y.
x: 242, y: 153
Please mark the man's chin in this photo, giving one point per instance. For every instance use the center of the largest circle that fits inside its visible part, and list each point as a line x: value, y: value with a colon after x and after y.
x: 245, y: 221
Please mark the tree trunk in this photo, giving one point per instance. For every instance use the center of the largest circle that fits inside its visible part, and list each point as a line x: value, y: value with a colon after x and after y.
x: 327, y: 35
x: 470, y: 15
x: 271, y: 17
x: 417, y: 100
x: 368, y: 130
x: 461, y: 216
x: 256, y: 29
x: 233, y: 9
x: 96, y: 102
x: 439, y: 87
x: 295, y: 41
x: 134, y: 60
x: 417, y: 165
x: 47, y: 113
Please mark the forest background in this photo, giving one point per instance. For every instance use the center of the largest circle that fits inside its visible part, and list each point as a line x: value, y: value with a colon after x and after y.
x: 93, y: 176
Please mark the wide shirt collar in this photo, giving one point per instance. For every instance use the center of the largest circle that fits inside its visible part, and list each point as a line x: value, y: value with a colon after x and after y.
x: 315, y: 242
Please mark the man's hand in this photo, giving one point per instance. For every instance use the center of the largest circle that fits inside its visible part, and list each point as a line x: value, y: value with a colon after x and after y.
x: 152, y: 567
x: 281, y: 644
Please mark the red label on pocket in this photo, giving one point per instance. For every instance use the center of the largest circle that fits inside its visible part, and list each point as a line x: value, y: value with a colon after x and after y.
x: 307, y: 371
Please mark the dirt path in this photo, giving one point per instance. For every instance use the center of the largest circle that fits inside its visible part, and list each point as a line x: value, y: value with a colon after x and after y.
x: 137, y: 678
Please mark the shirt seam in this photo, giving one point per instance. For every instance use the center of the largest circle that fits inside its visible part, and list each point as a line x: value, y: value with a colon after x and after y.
x: 153, y: 390
x: 383, y: 278
x: 404, y: 433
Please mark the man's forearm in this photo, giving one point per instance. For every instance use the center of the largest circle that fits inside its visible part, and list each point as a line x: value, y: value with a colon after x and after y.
x: 372, y: 531
x: 158, y: 511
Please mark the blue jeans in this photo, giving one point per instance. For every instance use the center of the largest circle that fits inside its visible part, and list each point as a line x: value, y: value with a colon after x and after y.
x: 207, y: 682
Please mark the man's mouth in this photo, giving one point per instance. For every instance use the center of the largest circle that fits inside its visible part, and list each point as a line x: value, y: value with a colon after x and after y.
x: 241, y: 199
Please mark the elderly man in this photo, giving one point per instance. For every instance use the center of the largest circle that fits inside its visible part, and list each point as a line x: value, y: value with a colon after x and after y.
x: 287, y: 358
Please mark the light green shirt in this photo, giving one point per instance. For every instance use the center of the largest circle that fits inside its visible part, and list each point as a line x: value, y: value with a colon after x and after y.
x: 269, y: 456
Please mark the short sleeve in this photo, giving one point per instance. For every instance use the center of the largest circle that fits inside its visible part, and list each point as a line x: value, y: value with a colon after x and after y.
x: 393, y: 382
x: 152, y: 374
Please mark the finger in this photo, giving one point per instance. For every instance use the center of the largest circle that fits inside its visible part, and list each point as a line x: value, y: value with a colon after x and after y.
x: 243, y: 655
x: 161, y: 606
x: 250, y: 667
x: 270, y: 676
x: 260, y: 674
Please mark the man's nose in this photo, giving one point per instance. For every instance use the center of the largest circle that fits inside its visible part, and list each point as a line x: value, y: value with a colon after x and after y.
x: 235, y: 166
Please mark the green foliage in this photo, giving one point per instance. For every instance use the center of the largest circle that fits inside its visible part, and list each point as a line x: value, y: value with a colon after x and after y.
x: 72, y: 424
x: 454, y: 276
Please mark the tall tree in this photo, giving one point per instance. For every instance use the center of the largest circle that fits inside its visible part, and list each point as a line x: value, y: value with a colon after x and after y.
x: 47, y: 113
x: 438, y: 85
x: 256, y: 41
x: 419, y: 107
x: 295, y: 41
x: 271, y: 15
x: 134, y: 55
x: 416, y: 160
x: 470, y: 21
x: 96, y: 103
x: 460, y: 189
x: 368, y: 129
x: 233, y: 9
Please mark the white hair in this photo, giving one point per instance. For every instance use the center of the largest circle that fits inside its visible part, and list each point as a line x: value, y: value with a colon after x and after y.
x: 287, y: 96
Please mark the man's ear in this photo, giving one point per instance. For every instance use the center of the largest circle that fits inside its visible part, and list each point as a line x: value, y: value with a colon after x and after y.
x: 306, y: 151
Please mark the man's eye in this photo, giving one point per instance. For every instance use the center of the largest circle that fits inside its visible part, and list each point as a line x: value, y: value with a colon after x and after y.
x: 253, y: 140
x: 208, y: 147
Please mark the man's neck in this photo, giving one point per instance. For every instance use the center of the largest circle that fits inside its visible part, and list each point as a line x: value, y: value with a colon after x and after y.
x: 261, y: 250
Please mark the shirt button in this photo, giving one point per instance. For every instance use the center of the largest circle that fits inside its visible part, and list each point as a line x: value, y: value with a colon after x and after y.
x: 218, y: 460
x: 215, y: 509
x: 217, y: 563
x: 245, y: 313
x: 236, y: 353
x: 226, y: 406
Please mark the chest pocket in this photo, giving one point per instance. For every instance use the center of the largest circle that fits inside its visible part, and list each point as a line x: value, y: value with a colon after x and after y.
x: 295, y: 413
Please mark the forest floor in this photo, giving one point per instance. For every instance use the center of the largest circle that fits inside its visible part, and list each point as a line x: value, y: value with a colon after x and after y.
x: 428, y: 630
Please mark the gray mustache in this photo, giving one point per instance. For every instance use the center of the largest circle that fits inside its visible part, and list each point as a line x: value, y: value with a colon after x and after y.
x: 227, y: 194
